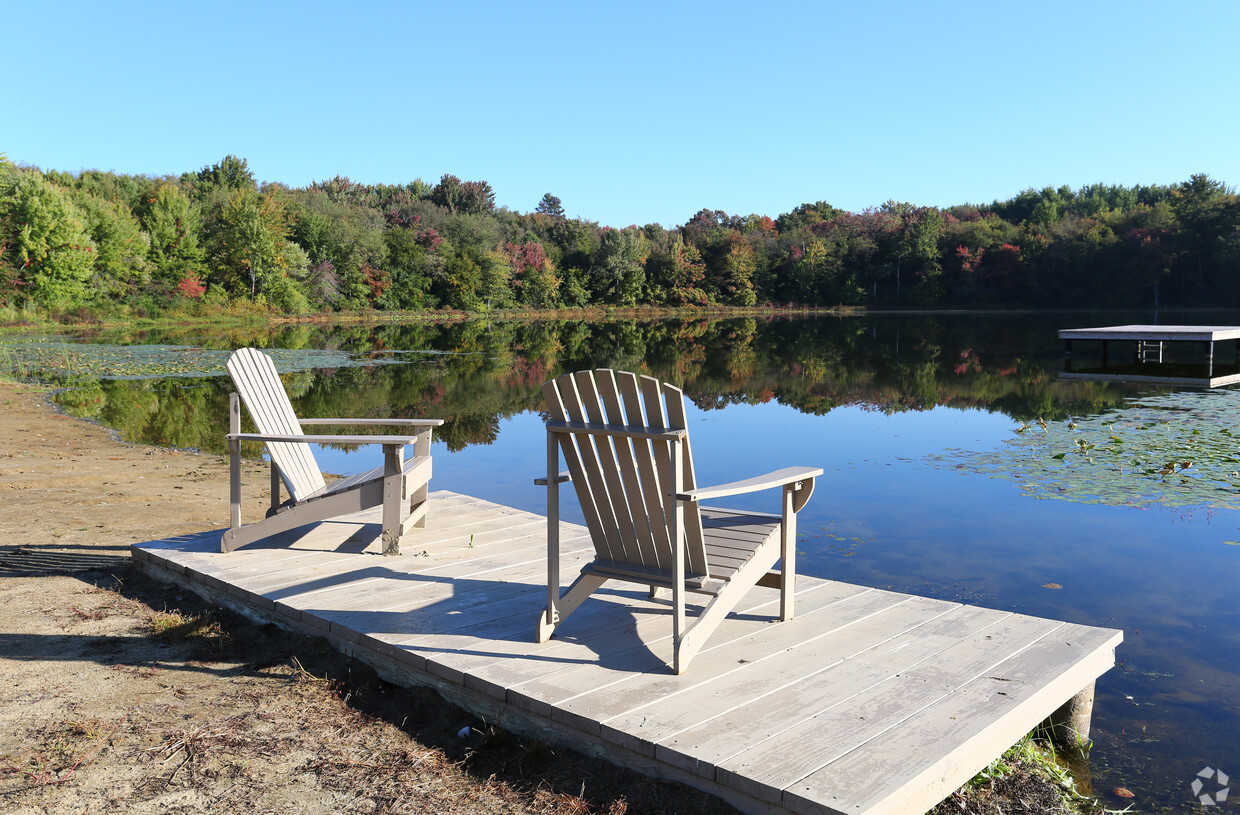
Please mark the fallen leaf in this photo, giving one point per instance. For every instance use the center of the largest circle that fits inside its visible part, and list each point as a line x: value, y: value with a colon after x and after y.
x: 1051, y: 586
x: 1123, y: 792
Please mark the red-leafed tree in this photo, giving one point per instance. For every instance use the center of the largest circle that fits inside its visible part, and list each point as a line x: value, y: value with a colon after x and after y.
x: 533, y: 274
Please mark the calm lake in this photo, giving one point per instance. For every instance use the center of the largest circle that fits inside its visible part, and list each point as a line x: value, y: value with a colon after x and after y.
x: 957, y: 466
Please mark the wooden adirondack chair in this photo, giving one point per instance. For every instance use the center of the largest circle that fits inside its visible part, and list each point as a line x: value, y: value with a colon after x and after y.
x: 626, y: 445
x: 400, y: 485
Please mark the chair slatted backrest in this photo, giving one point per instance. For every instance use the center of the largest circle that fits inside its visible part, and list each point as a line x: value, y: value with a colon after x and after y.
x: 623, y: 484
x: 255, y: 377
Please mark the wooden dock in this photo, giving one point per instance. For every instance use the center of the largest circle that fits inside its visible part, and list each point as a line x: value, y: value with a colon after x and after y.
x: 1149, y: 356
x: 869, y: 701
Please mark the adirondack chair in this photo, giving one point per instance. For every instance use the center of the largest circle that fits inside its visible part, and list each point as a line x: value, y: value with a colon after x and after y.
x: 400, y: 485
x: 626, y: 446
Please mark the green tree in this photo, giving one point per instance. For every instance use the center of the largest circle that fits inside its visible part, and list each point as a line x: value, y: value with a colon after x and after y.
x: 129, y: 190
x: 173, y: 223
x: 915, y: 248
x: 457, y: 286
x: 1200, y: 208
x: 229, y: 174
x: 250, y: 254
x: 805, y: 215
x: 551, y: 207
x: 735, y: 281
x: 675, y: 273
x: 45, y: 235
x: 618, y: 273
x: 533, y: 274
x: 495, y: 280
x: 1151, y: 249
x: 412, y: 267
x: 812, y: 270
x: 350, y: 236
x: 463, y: 197
x: 121, y: 263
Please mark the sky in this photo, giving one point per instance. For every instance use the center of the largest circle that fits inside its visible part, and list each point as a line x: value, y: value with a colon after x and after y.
x: 636, y: 112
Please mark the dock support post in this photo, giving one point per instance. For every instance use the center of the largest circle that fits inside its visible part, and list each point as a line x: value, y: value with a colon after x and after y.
x: 1209, y: 359
x: 1067, y: 354
x: 1068, y: 727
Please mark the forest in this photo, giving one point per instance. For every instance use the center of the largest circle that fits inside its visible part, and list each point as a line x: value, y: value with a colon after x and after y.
x: 77, y: 244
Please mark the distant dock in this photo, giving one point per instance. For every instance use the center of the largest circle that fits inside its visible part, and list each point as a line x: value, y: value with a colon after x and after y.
x: 1151, y: 360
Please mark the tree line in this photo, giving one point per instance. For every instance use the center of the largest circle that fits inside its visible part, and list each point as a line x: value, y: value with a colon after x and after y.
x: 215, y: 238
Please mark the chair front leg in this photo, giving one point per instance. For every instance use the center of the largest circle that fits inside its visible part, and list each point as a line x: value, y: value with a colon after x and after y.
x: 788, y: 555
x: 275, y: 487
x: 393, y: 493
x: 234, y: 462
x: 796, y: 495
x: 552, y: 618
x: 679, y: 662
x: 421, y: 449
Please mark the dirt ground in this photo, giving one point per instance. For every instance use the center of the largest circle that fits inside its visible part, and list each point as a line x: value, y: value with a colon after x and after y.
x: 122, y: 694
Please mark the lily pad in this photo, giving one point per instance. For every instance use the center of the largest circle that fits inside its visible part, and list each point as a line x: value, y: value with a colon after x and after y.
x: 55, y: 359
x: 1175, y: 450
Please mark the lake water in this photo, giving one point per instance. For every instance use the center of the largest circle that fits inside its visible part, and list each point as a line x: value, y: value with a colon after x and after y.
x: 915, y: 419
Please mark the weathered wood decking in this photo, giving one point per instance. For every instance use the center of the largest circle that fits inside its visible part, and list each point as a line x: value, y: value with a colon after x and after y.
x: 868, y: 702
x: 1150, y: 341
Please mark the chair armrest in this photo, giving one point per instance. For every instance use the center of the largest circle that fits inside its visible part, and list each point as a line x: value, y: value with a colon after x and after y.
x: 377, y: 422
x: 778, y: 478
x: 562, y: 478
x: 316, y: 439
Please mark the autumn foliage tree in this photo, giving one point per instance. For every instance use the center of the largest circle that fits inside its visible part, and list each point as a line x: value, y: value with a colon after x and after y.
x: 110, y: 240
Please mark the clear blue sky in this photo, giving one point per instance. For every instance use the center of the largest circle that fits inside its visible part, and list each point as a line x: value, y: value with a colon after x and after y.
x: 636, y: 112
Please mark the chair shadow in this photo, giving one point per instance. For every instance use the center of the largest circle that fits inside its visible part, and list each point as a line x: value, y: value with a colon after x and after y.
x: 107, y: 650
x: 461, y: 614
x: 41, y: 560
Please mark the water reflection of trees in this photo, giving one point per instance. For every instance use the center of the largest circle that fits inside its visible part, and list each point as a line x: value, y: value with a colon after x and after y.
x: 475, y: 373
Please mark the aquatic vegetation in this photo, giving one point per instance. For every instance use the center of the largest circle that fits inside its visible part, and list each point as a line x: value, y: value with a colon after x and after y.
x: 1180, y: 449
x: 56, y: 359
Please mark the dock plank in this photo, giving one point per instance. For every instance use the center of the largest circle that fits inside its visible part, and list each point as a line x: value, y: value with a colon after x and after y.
x: 877, y: 780
x: 829, y: 685
x: 867, y: 718
x: 580, y: 696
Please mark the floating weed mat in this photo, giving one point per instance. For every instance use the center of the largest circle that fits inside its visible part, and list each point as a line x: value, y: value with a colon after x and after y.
x: 54, y: 359
x: 1175, y: 450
